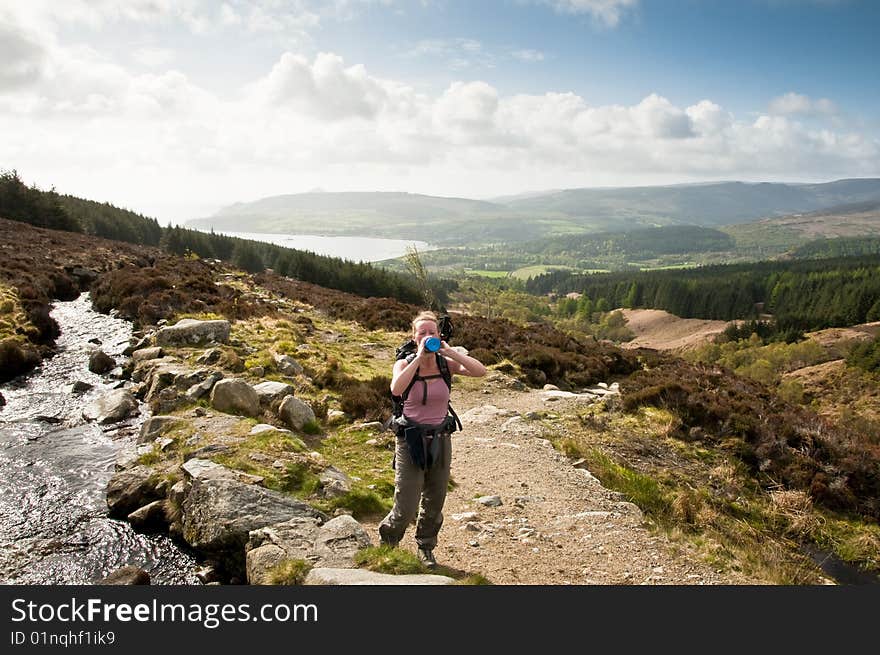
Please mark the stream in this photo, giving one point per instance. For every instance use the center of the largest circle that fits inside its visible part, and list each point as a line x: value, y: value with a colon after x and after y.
x: 54, y: 468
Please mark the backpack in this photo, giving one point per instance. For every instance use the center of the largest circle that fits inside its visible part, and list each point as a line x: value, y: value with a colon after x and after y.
x: 408, y: 351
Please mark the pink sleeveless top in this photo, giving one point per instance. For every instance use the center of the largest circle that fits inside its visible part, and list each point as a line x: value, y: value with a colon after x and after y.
x: 436, y: 402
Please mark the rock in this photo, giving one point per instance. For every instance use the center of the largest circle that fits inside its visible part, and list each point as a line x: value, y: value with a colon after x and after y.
x: 489, y: 501
x: 2, y: 400
x: 152, y: 516
x: 111, y: 408
x: 259, y: 428
x: 189, y: 332
x: 196, y: 391
x: 137, y: 344
x: 269, y: 546
x: 272, y: 393
x: 144, y: 354
x: 338, y: 540
x: 235, y: 396
x: 210, y: 356
x: 550, y: 387
x: 336, y: 416
x: 100, y: 362
x: 295, y: 412
x: 81, y: 387
x: 127, y: 575
x: 334, y: 483
x: 465, y: 516
x: 218, y: 515
x: 287, y: 365
x: 130, y: 489
x: 156, y: 426
x: 205, y: 469
x: 327, y: 576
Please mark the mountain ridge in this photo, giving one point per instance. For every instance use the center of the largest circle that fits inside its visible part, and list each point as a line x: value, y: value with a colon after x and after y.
x: 463, y: 221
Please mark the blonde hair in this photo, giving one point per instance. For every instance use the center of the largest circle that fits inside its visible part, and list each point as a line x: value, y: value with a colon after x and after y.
x: 424, y: 316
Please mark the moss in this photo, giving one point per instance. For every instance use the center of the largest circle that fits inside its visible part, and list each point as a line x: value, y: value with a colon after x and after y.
x: 290, y: 572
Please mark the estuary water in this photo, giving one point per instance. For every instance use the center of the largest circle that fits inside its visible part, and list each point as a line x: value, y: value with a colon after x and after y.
x: 356, y: 249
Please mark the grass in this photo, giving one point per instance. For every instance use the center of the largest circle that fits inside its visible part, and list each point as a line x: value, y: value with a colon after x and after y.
x: 290, y: 572
x: 705, y: 498
x: 397, y: 561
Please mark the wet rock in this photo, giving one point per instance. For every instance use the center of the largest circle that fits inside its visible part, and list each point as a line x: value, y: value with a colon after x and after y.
x: 127, y: 575
x: 152, y: 516
x: 111, y: 408
x: 129, y: 490
x: 100, y: 362
x: 235, y: 396
x: 80, y: 387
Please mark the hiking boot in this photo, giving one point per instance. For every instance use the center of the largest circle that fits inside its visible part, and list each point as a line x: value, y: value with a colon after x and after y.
x: 426, y: 557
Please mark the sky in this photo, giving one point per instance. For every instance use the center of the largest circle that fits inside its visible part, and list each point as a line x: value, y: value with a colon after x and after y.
x: 175, y: 108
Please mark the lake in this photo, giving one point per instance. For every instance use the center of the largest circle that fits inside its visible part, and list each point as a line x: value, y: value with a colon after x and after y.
x: 358, y: 249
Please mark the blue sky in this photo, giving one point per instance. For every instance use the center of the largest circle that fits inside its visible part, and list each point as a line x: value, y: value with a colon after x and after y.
x: 176, y: 107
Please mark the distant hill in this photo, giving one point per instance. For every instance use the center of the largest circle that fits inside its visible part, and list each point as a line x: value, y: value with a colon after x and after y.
x: 389, y: 215
x: 707, y: 205
x: 460, y: 221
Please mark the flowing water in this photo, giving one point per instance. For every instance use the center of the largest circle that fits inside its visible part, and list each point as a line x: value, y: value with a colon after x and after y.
x: 54, y: 468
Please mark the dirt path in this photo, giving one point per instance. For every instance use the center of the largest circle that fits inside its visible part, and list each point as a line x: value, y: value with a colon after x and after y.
x: 556, y: 523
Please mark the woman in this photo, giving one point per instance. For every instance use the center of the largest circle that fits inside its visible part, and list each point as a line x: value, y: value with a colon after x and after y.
x: 421, y: 477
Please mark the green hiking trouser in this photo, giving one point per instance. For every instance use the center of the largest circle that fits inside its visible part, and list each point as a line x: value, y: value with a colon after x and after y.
x: 418, y: 491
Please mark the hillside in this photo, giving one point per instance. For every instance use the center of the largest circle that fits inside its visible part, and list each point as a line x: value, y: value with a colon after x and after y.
x: 708, y: 205
x: 514, y: 219
x: 389, y: 215
x: 660, y: 330
x: 671, y: 476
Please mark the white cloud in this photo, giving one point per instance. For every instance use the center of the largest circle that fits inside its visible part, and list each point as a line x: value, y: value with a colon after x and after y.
x: 528, y: 55
x: 795, y: 103
x: 605, y: 12
x: 153, y: 57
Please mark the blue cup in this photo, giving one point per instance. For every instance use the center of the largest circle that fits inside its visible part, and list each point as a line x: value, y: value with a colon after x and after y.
x: 432, y: 344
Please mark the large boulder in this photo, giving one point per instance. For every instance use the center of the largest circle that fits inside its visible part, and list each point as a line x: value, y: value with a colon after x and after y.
x: 111, y: 408
x: 190, y: 332
x: 129, y: 490
x: 235, y: 396
x: 295, y: 412
x: 219, y: 513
